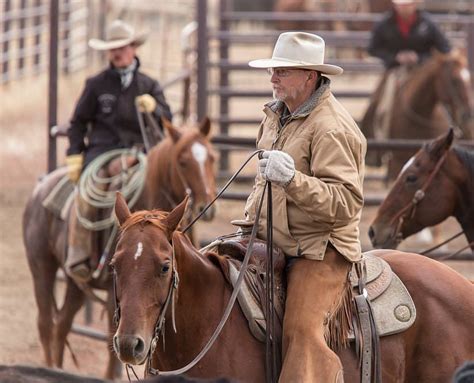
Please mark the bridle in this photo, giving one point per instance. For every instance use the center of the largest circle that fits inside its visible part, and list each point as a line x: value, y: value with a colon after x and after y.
x: 408, y: 212
x: 170, y: 299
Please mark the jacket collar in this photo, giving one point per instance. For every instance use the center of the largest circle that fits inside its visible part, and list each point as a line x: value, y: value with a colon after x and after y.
x: 278, y: 107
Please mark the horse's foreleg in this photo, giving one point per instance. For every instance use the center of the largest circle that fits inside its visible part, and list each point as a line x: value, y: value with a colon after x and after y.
x: 73, y: 301
x: 114, y: 366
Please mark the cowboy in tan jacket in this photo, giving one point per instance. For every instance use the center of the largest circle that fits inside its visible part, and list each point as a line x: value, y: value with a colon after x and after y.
x: 314, y: 157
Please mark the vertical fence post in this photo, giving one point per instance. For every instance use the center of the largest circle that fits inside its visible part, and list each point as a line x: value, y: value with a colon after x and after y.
x: 202, y: 59
x: 470, y: 46
x: 223, y: 82
x: 7, y: 5
x: 66, y: 47
x: 37, y: 39
x: 21, y: 39
x: 53, y: 81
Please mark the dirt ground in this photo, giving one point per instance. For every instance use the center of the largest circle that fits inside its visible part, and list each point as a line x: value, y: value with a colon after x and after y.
x: 22, y: 161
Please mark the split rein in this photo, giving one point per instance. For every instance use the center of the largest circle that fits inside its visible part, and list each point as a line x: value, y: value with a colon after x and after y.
x: 159, y: 325
x: 409, y: 212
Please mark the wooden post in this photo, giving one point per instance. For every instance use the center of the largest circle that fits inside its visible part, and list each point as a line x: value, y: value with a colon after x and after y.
x: 7, y: 5
x: 53, y: 82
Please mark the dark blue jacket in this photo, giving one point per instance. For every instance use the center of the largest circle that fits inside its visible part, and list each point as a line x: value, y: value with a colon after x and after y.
x: 386, y: 40
x: 105, y: 117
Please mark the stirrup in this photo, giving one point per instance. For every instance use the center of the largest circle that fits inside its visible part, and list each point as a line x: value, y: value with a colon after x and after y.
x: 80, y: 272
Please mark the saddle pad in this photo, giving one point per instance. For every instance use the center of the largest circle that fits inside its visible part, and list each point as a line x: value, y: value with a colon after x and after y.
x: 59, y: 200
x: 249, y: 305
x: 392, y: 305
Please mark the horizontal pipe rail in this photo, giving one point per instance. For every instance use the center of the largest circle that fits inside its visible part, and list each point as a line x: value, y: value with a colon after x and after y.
x: 89, y: 332
x: 332, y: 16
x: 231, y: 92
x: 347, y: 65
x: 359, y: 39
x: 371, y: 143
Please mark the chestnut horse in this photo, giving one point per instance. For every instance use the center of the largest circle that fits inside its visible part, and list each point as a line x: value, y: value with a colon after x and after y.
x: 438, y: 182
x: 183, y: 162
x: 431, y: 95
x: 169, y: 276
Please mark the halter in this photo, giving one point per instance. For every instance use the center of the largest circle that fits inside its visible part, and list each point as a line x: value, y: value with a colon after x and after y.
x: 409, y: 210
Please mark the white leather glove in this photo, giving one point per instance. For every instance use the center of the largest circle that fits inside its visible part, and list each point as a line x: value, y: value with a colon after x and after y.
x: 277, y: 167
x: 146, y: 103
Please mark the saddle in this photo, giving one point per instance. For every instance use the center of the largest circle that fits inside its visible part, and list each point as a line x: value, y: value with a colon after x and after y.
x: 392, y: 306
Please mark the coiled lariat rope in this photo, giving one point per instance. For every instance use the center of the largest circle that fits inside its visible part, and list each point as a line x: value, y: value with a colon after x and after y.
x: 93, y: 188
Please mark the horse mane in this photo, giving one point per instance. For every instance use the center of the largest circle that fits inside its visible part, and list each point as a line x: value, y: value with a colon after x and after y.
x: 144, y: 217
x: 467, y: 158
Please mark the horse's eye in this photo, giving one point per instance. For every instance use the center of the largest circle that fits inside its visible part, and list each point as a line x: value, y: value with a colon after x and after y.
x: 411, y: 178
x: 165, y: 268
x: 183, y: 163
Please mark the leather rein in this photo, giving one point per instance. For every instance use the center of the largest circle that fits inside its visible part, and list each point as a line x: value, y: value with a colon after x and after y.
x: 170, y: 299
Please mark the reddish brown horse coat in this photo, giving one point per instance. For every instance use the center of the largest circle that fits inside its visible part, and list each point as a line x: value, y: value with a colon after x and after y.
x: 417, y: 111
x: 45, y: 235
x: 445, y: 310
x: 449, y: 192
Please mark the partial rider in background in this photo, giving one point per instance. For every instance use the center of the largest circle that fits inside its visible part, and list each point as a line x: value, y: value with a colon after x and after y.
x: 105, y: 119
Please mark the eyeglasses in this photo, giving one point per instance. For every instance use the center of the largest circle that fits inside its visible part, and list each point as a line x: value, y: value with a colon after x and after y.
x: 282, y: 72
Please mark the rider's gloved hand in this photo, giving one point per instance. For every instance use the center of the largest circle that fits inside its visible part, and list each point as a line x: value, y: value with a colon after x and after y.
x: 277, y: 167
x: 74, y: 165
x: 145, y: 103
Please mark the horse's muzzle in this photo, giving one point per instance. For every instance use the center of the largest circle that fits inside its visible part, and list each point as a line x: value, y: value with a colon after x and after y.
x: 130, y: 348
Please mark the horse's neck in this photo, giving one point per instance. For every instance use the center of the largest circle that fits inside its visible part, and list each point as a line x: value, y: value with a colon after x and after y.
x: 202, y: 294
x: 157, y: 191
x: 464, y: 210
x: 420, y: 93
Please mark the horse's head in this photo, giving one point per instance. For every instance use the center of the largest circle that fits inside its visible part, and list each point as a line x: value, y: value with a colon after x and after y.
x: 144, y: 272
x: 423, y: 195
x: 191, y: 160
x: 453, y: 84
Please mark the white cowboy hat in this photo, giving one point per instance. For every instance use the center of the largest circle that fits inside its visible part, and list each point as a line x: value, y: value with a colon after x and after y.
x: 405, y: 1
x: 119, y: 34
x: 298, y: 50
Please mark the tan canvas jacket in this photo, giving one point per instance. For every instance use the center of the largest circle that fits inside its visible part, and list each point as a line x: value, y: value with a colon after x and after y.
x: 324, y: 200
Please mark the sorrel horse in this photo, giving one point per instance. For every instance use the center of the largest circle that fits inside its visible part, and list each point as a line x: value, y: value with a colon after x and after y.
x: 182, y: 163
x: 170, y: 278
x: 438, y: 182
x: 430, y: 96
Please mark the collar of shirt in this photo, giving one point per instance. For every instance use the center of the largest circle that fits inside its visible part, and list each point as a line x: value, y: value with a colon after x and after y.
x: 404, y: 25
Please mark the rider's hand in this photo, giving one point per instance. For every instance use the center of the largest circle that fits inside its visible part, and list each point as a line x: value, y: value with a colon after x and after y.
x: 146, y: 103
x: 277, y: 167
x: 74, y: 164
x: 407, y: 57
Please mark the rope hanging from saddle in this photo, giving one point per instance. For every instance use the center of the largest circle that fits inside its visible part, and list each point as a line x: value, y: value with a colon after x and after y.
x: 99, y: 192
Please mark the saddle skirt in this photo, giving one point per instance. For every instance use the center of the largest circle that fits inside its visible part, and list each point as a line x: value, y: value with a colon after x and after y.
x: 392, y: 305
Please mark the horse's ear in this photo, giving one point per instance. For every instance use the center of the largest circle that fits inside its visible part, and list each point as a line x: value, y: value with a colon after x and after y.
x: 174, y: 133
x: 122, y: 211
x: 205, y: 126
x: 174, y: 217
x: 442, y: 144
